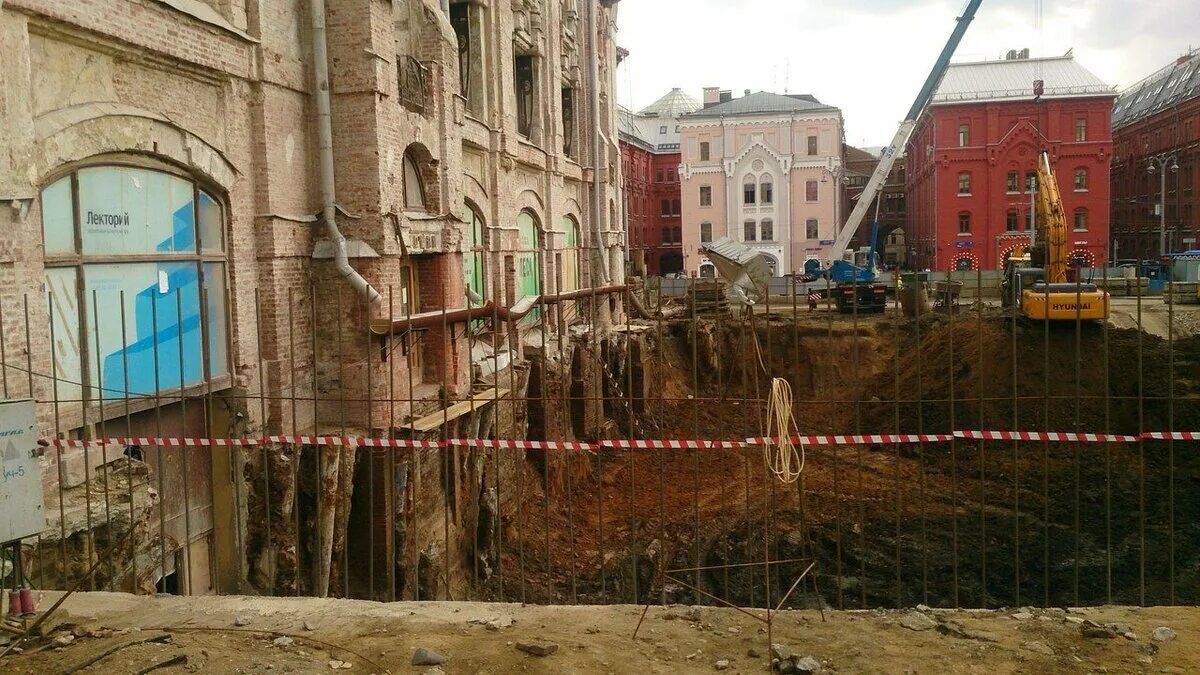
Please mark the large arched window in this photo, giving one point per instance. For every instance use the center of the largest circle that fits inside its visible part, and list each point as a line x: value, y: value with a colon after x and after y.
x: 572, y: 241
x: 529, y: 268
x: 135, y: 274
x: 473, y: 251
x: 414, y: 188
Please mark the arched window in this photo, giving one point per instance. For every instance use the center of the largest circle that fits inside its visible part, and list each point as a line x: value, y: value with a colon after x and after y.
x: 1081, y: 180
x: 766, y: 192
x: 749, y: 231
x: 748, y: 191
x: 572, y: 241
x: 707, y: 271
x: 529, y: 268
x: 414, y: 188
x: 1081, y: 222
x: 135, y: 271
x: 473, y: 249
x: 767, y: 230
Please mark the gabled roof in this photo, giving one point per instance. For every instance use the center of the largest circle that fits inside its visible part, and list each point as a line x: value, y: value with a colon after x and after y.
x: 1012, y: 79
x: 1172, y: 85
x: 673, y: 104
x: 762, y: 102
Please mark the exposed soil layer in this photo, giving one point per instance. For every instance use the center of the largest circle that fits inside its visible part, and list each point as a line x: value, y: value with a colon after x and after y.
x: 963, y: 523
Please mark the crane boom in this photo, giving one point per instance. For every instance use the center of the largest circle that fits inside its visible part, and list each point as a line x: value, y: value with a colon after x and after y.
x: 888, y: 157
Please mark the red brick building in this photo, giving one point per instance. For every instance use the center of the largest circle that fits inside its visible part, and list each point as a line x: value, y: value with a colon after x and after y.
x: 637, y: 171
x: 1157, y: 119
x: 650, y: 139
x: 974, y: 150
x: 892, y: 209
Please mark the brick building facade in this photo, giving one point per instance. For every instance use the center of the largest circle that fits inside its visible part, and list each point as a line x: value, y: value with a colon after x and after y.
x: 892, y: 209
x: 653, y: 134
x: 974, y: 151
x: 165, y: 245
x: 1158, y: 117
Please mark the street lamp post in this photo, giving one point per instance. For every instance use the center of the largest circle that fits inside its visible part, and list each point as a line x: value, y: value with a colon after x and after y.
x: 1158, y: 163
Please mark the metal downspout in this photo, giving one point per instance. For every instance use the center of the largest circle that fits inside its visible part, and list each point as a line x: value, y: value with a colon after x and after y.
x: 600, y: 264
x: 325, y: 139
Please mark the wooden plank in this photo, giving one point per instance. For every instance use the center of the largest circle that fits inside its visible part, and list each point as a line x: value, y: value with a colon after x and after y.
x: 435, y: 419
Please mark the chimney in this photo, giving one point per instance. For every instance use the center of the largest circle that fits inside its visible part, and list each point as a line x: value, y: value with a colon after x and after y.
x: 745, y: 92
x: 1023, y: 54
x: 712, y: 95
x: 1011, y: 55
x: 726, y: 95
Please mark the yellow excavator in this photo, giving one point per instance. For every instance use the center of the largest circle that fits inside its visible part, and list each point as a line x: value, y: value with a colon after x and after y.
x: 1036, y: 279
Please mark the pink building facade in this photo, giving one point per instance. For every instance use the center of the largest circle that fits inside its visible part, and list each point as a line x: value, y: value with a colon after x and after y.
x: 763, y: 170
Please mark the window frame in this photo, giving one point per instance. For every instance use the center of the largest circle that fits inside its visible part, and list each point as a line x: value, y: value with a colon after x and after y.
x: 97, y: 408
x: 812, y: 191
x: 705, y: 198
x: 1081, y: 129
x: 812, y: 228
x: 766, y: 190
x: 1080, y: 213
x: 705, y: 151
x: 1080, y: 179
x: 705, y: 232
x: 749, y: 230
x: 749, y: 191
x: 964, y: 184
x: 964, y: 218
x: 766, y: 230
x: 964, y: 134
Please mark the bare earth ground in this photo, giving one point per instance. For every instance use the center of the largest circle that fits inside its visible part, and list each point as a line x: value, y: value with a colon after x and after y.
x: 375, y: 638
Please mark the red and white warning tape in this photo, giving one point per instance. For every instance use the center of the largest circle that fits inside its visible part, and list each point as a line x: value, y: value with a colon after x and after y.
x: 669, y: 444
x: 681, y: 444
x: 856, y: 439
x: 523, y: 445
x: 1046, y: 436
x: 1172, y: 435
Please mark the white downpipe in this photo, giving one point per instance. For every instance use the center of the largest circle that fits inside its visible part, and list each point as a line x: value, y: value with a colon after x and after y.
x: 325, y: 137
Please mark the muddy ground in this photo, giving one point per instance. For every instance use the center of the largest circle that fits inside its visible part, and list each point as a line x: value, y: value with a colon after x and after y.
x: 964, y: 523
x: 202, y: 635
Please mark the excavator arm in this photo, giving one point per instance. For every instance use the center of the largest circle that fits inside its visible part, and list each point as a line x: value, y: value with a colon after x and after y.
x: 1052, y: 222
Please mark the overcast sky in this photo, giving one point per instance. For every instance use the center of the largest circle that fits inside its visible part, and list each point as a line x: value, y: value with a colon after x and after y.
x: 869, y: 57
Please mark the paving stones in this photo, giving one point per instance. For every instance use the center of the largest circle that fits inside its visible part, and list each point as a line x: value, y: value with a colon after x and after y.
x: 427, y: 657
x: 538, y: 647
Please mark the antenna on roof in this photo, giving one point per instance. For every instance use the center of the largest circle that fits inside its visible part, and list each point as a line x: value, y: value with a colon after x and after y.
x: 1070, y: 52
x: 787, y: 74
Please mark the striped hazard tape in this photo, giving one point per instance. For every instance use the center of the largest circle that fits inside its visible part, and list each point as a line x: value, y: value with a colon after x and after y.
x: 1045, y: 436
x: 669, y: 444
x: 1172, y: 435
x: 522, y: 445
x: 638, y: 444
x: 853, y: 439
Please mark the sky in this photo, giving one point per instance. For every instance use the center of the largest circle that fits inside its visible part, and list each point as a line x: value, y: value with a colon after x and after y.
x: 870, y: 57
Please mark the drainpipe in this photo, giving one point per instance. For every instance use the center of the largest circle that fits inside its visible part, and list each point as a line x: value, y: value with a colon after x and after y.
x: 600, y: 263
x: 325, y: 138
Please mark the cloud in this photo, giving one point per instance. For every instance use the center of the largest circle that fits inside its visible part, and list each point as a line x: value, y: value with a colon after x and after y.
x: 869, y: 57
